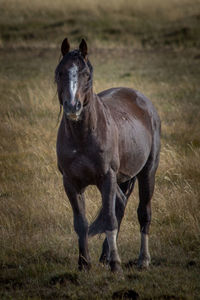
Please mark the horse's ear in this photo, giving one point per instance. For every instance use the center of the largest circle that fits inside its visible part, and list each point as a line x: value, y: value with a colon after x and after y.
x: 83, y: 48
x: 65, y: 47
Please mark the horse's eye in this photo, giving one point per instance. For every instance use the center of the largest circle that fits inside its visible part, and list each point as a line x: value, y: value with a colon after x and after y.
x: 87, y: 74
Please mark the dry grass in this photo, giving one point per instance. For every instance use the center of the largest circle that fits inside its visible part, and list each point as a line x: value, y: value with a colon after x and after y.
x: 36, y: 227
x: 139, y: 23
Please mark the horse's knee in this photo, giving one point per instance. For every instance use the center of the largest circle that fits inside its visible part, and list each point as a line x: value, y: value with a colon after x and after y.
x: 111, y: 222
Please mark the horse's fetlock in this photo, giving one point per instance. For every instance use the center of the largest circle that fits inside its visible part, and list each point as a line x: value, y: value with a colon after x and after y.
x: 114, y: 256
x: 144, y: 261
x: 83, y: 263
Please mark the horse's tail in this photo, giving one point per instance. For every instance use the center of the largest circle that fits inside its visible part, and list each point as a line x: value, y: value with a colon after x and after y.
x: 97, y: 225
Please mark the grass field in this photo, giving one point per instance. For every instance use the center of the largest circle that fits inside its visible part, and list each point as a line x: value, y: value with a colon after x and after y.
x: 150, y: 46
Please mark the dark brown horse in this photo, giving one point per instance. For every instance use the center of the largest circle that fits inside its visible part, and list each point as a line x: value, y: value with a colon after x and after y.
x: 107, y: 140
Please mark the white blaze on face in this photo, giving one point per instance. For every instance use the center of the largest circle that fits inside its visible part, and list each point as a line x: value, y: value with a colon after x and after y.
x: 73, y: 82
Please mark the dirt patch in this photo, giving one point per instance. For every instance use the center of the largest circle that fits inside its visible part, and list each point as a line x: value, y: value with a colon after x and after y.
x: 63, y: 279
x: 11, y: 283
x: 125, y: 294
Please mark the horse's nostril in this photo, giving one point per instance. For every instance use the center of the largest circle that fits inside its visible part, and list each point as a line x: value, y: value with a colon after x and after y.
x: 78, y: 105
x: 71, y: 108
x: 67, y: 107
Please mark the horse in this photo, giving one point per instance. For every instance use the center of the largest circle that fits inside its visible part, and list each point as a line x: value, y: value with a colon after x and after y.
x: 109, y: 140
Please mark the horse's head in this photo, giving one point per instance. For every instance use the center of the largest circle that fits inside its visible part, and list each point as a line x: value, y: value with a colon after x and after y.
x: 73, y: 77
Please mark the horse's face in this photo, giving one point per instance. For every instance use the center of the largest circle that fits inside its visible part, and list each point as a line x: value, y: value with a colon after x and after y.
x: 73, y: 76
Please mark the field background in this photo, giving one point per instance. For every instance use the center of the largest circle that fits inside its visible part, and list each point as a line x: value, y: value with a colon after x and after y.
x: 152, y: 46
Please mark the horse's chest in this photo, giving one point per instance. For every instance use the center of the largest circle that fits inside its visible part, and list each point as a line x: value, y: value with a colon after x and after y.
x: 82, y: 166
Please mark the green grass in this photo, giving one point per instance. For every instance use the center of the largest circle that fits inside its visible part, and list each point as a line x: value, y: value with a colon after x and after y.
x: 147, y: 47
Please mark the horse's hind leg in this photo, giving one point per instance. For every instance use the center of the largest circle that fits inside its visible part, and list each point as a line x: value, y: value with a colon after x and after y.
x: 146, y: 182
x: 124, y: 192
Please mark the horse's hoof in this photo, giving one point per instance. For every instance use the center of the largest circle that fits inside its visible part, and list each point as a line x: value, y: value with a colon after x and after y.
x: 104, y: 260
x: 83, y: 264
x: 84, y: 267
x: 115, y: 267
x: 143, y: 263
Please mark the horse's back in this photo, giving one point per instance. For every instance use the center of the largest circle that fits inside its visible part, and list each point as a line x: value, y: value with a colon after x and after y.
x: 129, y: 102
x: 137, y: 122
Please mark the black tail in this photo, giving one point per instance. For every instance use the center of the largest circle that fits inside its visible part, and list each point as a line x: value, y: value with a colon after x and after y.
x: 97, y: 226
x: 124, y: 191
x: 127, y: 187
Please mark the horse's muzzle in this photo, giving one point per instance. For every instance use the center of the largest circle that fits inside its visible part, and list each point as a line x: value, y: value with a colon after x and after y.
x: 72, y: 111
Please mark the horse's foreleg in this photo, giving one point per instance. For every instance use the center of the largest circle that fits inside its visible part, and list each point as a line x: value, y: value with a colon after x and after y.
x: 108, y: 190
x: 123, y: 193
x: 120, y: 205
x: 80, y: 223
